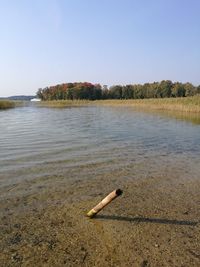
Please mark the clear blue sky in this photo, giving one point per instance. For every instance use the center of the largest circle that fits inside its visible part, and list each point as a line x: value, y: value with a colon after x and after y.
x: 46, y: 42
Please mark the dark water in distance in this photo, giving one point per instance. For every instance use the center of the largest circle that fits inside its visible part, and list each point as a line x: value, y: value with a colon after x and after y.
x: 44, y: 141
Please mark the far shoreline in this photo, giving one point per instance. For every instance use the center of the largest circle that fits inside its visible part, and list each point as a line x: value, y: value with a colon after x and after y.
x: 185, y: 105
x: 181, y: 104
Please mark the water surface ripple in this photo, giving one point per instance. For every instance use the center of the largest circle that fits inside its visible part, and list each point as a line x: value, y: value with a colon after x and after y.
x: 37, y: 141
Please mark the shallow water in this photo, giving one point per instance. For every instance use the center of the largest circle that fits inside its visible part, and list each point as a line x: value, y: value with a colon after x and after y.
x: 45, y: 141
x: 56, y: 164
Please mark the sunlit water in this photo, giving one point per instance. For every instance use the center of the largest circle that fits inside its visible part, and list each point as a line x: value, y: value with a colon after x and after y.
x: 46, y: 141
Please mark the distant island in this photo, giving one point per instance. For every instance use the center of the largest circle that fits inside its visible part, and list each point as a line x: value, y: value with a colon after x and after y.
x: 89, y: 91
x: 164, y: 95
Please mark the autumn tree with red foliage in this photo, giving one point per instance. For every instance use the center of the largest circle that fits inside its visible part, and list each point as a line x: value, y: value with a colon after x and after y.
x: 71, y: 91
x: 89, y: 91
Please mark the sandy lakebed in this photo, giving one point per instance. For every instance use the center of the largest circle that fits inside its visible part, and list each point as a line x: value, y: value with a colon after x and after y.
x: 58, y: 164
x: 154, y: 223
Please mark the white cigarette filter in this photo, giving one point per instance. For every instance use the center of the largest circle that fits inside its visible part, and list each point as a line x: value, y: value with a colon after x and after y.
x: 104, y: 202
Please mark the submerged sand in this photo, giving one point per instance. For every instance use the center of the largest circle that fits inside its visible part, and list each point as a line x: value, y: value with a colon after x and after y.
x: 154, y: 223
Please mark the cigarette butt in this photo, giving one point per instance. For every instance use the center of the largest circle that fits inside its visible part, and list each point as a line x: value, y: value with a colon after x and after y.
x: 104, y: 202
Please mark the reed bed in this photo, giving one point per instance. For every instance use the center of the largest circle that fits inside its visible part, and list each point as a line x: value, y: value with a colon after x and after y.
x: 63, y: 103
x: 182, y: 104
x: 4, y: 104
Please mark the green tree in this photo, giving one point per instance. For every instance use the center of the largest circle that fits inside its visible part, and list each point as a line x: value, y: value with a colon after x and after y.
x: 198, y: 89
x: 127, y: 92
x: 166, y: 88
x: 189, y: 89
x: 116, y: 91
x: 39, y: 94
x: 178, y: 90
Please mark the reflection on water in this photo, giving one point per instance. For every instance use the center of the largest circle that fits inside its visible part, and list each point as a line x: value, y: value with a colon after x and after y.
x: 42, y: 141
x: 191, y: 117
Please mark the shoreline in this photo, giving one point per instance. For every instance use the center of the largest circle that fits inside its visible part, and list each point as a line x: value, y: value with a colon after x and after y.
x: 44, y: 200
x: 186, y: 104
x: 6, y: 104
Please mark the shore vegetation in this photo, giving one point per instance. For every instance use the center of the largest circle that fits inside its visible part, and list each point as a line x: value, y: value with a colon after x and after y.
x: 180, y: 104
x: 5, y: 104
x: 89, y: 91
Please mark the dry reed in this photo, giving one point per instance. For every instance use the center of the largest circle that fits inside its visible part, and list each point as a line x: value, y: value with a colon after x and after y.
x: 182, y: 104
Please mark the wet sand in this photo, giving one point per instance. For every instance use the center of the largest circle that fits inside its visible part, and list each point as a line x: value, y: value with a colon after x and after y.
x: 154, y: 223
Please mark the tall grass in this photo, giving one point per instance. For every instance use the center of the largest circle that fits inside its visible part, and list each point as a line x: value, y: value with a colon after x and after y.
x: 4, y: 104
x: 182, y: 104
x: 63, y: 103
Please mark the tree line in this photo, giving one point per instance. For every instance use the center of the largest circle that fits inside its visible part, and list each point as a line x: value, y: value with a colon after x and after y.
x: 89, y: 91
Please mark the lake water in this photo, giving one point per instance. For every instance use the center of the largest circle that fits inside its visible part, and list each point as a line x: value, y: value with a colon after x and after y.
x: 37, y: 142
